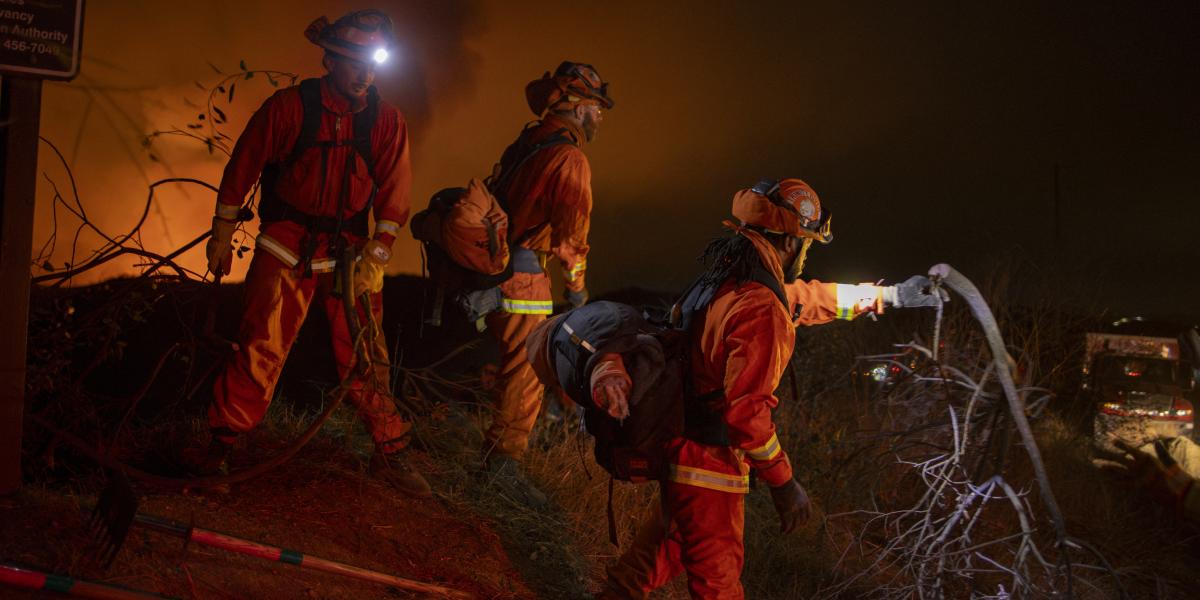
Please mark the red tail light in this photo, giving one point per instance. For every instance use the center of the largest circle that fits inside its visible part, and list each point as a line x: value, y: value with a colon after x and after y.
x: 1181, y: 410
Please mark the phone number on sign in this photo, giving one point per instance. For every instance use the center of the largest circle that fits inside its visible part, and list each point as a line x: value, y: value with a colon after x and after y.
x: 23, y: 46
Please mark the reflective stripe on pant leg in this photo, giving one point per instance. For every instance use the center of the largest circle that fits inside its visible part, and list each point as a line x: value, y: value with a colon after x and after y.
x: 526, y: 307
x: 526, y: 294
x: 276, y: 302
x: 519, y: 394
x: 651, y: 561
x: 372, y: 398
x: 709, y: 528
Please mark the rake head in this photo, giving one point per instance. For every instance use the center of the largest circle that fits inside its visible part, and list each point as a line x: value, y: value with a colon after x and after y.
x: 112, y: 517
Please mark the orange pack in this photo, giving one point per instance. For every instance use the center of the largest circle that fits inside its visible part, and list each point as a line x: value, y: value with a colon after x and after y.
x: 469, y: 226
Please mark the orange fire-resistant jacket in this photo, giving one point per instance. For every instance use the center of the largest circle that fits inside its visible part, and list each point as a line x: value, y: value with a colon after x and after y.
x: 742, y: 347
x: 269, y: 138
x: 549, y: 210
x: 814, y: 303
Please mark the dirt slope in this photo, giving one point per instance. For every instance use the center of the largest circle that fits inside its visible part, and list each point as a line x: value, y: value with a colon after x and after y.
x: 314, y: 504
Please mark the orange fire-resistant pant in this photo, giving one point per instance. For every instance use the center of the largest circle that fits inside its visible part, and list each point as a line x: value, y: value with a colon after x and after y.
x: 519, y: 397
x: 700, y: 535
x: 276, y: 303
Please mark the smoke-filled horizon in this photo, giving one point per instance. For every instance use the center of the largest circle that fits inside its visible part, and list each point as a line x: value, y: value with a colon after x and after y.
x: 934, y: 133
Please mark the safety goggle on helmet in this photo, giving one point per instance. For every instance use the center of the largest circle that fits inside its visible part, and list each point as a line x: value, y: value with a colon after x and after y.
x: 583, y: 80
x: 787, y: 206
x: 571, y: 84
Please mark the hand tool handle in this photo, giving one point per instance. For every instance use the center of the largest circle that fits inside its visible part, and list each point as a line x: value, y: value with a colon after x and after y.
x: 36, y: 580
x: 292, y: 557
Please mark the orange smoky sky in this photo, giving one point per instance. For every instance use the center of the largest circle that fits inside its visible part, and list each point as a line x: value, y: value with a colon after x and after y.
x: 933, y: 131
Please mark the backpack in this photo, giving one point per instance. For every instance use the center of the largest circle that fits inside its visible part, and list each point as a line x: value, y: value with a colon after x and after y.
x: 656, y: 356
x: 464, y: 233
x: 272, y: 207
x: 663, y: 404
x: 463, y: 236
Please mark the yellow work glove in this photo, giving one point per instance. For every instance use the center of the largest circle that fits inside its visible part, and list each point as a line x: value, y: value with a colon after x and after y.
x: 368, y: 271
x: 219, y: 248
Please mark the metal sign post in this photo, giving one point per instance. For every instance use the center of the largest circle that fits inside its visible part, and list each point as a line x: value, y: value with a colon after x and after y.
x: 20, y: 106
x: 39, y: 39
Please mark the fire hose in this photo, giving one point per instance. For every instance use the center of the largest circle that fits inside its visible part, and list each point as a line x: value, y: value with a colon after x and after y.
x: 944, y: 274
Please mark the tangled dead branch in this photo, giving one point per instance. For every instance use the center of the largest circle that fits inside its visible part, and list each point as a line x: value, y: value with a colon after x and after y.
x: 959, y: 521
x: 76, y: 416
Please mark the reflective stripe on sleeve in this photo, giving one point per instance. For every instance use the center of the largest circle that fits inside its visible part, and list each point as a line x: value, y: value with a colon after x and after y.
x: 768, y: 450
x: 526, y: 307
x: 385, y: 226
x: 228, y: 212
x: 721, y: 482
x: 849, y: 297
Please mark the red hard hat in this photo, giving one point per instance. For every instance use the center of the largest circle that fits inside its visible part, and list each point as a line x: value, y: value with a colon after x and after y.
x: 572, y: 83
x: 787, y: 206
x: 359, y: 35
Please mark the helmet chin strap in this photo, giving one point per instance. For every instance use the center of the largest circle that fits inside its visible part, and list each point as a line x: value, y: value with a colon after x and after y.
x: 793, y: 271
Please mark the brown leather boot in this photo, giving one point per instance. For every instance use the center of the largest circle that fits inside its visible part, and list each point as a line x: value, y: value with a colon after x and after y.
x: 394, y: 469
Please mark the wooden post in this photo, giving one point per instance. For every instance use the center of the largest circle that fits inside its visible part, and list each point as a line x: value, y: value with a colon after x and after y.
x: 20, y: 110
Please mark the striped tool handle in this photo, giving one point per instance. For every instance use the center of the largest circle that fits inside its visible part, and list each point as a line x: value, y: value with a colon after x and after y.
x: 292, y: 557
x: 36, y: 580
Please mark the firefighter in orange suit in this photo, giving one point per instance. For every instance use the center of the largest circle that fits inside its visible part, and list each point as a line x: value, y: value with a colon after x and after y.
x: 328, y: 152
x: 741, y: 342
x: 549, y: 204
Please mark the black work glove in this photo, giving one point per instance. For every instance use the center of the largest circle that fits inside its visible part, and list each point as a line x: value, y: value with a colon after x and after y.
x: 576, y: 299
x: 791, y: 502
x: 911, y: 293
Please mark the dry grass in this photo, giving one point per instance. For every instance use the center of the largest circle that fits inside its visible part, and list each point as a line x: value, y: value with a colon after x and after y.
x: 854, y: 448
x: 846, y: 442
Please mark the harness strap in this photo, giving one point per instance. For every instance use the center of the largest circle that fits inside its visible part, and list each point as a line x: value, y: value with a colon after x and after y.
x: 273, y: 208
x: 578, y: 341
x: 701, y: 423
x: 310, y: 124
x: 499, y: 187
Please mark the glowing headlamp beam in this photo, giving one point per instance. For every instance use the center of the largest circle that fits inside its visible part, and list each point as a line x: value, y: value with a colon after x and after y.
x: 380, y: 56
